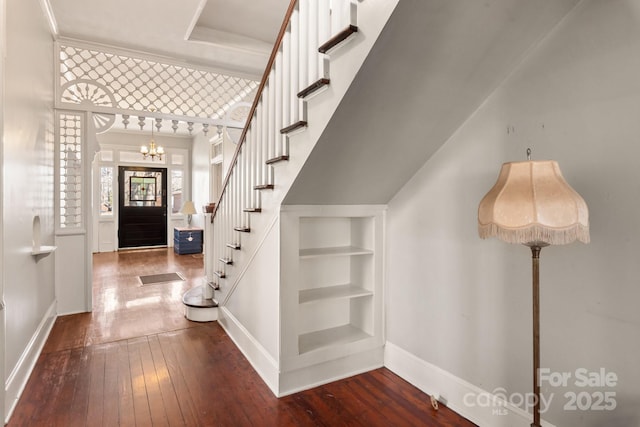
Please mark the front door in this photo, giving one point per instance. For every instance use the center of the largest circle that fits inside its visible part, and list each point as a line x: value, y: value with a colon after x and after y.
x: 142, y: 214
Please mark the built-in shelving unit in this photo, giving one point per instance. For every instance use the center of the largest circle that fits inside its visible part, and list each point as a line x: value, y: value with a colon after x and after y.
x: 332, y: 285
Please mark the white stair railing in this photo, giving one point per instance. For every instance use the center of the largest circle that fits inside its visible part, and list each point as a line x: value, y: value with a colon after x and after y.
x: 295, y: 69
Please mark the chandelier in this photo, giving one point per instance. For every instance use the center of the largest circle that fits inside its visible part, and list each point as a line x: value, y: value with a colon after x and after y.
x: 152, y: 150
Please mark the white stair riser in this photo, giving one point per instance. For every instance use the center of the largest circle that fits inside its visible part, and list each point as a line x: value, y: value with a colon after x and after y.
x: 199, y: 314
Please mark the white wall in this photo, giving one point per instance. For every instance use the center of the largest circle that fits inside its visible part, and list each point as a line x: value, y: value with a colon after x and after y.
x: 27, y: 188
x: 464, y: 305
x: 200, y: 165
x: 3, y: 38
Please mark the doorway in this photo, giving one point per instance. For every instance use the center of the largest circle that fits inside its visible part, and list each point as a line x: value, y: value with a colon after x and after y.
x: 142, y: 216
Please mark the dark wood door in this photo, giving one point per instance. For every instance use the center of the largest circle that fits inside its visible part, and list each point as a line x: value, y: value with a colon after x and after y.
x: 142, y: 214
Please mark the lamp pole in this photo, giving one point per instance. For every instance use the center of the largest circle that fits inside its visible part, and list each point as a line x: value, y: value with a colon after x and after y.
x: 535, y: 267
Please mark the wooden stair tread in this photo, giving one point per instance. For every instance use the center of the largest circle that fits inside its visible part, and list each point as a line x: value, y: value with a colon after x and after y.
x: 220, y: 274
x: 242, y: 229
x: 252, y: 210
x: 227, y: 261
x: 297, y: 125
x: 337, y: 39
x: 277, y: 159
x: 234, y: 246
x: 264, y: 187
x: 318, y: 84
x: 194, y: 297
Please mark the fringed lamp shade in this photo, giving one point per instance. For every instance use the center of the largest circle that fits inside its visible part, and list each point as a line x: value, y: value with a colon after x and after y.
x: 532, y: 204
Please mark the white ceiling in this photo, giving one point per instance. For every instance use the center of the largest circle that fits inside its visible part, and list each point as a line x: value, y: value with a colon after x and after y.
x: 235, y: 36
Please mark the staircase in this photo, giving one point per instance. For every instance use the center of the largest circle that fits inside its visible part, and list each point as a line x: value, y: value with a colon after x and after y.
x: 295, y: 101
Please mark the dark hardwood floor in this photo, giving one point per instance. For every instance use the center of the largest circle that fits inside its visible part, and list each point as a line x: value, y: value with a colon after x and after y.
x: 136, y: 361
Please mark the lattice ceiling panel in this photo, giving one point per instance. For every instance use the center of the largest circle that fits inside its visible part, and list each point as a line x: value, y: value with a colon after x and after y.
x: 138, y: 84
x: 240, y: 113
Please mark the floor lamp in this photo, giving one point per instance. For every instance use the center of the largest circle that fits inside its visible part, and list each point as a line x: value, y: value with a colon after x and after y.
x: 532, y: 204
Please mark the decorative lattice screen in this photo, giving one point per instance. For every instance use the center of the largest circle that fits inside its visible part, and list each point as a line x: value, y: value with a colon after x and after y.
x: 126, y: 83
x: 70, y: 171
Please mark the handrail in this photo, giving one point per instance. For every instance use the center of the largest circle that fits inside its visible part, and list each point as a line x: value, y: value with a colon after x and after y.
x: 254, y: 106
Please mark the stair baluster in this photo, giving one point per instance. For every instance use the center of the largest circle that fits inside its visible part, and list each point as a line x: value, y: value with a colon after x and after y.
x: 278, y: 106
x: 324, y: 22
x: 286, y: 86
x: 264, y: 138
x: 303, y: 44
x: 312, y: 42
x: 297, y: 108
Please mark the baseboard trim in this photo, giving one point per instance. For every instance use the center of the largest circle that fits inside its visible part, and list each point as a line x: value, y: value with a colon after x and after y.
x: 263, y: 363
x: 327, y: 372
x: 456, y: 393
x: 17, y: 380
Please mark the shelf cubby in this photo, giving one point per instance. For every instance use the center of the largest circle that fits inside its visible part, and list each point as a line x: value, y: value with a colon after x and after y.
x: 330, y: 337
x: 332, y: 286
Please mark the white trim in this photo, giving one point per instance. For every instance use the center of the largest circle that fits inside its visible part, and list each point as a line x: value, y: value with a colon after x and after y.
x: 315, y: 375
x: 230, y: 41
x: 17, y: 380
x: 259, y: 358
x: 3, y: 339
x: 195, y: 19
x: 51, y: 19
x: 70, y: 231
x: 452, y: 391
x: 83, y: 108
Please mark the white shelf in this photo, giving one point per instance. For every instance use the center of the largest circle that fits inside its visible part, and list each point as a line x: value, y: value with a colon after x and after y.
x: 43, y: 250
x: 330, y: 337
x: 334, y: 251
x: 332, y: 292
